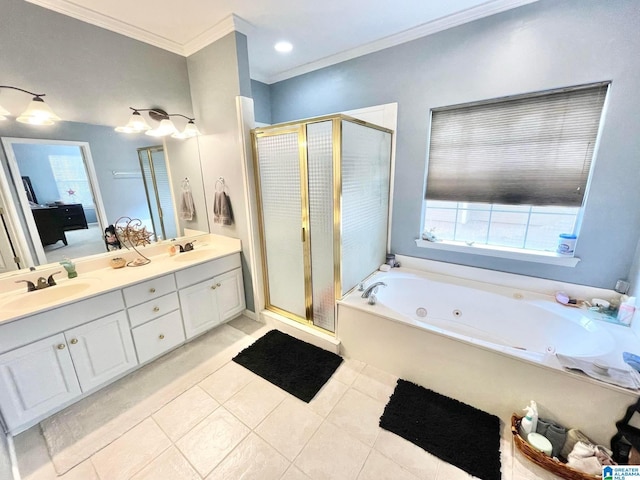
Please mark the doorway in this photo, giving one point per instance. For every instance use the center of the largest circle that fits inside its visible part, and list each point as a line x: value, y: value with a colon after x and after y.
x: 58, y: 197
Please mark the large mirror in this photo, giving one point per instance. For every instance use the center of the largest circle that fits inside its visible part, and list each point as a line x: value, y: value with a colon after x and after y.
x: 62, y: 185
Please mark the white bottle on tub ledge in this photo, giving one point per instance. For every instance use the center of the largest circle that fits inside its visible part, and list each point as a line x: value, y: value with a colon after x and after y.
x: 626, y: 310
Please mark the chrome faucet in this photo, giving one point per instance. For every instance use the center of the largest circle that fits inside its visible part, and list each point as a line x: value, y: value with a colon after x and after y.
x: 41, y: 282
x: 373, y: 288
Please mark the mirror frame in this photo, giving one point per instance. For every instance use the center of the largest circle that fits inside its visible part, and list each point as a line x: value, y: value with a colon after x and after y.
x: 14, y: 214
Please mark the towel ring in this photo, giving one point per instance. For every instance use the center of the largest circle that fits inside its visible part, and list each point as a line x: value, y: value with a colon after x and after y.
x: 220, y: 183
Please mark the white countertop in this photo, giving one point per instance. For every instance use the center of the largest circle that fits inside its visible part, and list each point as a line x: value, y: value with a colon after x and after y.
x: 96, y: 277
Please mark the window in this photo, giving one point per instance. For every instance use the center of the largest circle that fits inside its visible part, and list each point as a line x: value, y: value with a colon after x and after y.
x: 71, y: 179
x: 512, y: 172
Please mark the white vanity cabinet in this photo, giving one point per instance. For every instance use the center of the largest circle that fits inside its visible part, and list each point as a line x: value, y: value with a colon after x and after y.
x: 50, y: 359
x: 36, y: 379
x: 85, y: 344
x: 210, y: 294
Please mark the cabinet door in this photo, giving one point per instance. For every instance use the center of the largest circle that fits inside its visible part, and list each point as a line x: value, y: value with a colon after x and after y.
x: 101, y: 349
x: 36, y: 379
x: 230, y: 293
x: 199, y: 307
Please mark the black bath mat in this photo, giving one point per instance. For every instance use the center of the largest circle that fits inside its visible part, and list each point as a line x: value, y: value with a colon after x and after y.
x: 451, y: 430
x: 293, y: 365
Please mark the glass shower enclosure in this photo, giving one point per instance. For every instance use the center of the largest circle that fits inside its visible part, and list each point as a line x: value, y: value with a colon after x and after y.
x: 323, y: 195
x: 157, y: 186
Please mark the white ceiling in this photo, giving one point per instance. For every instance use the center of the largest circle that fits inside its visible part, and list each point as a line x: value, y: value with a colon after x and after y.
x: 323, y: 32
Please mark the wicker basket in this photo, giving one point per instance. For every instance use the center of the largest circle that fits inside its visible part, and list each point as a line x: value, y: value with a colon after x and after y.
x: 550, y: 464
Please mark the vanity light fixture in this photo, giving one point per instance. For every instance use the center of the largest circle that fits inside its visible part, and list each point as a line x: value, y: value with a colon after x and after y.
x: 138, y: 124
x: 37, y: 113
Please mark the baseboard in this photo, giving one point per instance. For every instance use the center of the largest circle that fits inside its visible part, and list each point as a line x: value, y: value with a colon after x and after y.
x: 252, y: 315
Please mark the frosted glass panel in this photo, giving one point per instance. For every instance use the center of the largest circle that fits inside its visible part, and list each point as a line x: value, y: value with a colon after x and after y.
x: 279, y: 173
x: 164, y: 194
x: 320, y: 168
x: 151, y: 198
x: 366, y: 157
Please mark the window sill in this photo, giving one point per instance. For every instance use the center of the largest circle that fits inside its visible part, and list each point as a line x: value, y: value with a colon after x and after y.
x: 502, y: 252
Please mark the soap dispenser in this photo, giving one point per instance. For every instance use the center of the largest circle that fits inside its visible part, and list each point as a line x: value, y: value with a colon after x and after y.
x: 626, y: 310
x: 529, y: 422
x: 70, y: 267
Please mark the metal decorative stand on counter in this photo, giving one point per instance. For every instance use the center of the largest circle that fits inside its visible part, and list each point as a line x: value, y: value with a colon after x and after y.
x: 131, y: 232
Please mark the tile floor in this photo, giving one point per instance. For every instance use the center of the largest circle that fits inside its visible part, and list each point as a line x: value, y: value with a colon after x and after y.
x: 233, y: 425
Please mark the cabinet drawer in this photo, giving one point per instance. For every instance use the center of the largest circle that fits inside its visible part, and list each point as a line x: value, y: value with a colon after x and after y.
x: 158, y: 336
x: 153, y: 309
x: 204, y: 271
x: 149, y: 290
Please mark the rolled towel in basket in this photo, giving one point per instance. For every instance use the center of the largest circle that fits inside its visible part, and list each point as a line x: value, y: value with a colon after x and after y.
x: 573, y: 436
x: 557, y: 435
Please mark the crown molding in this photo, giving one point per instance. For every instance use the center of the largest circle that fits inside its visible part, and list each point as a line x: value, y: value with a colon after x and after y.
x: 109, y: 23
x: 219, y: 30
x: 235, y: 23
x: 429, y: 28
x: 229, y: 24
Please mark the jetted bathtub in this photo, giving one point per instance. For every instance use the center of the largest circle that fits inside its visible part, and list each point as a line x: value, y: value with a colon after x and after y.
x: 488, y: 345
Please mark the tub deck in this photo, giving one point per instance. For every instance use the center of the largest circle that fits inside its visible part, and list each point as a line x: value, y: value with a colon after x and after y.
x: 498, y: 379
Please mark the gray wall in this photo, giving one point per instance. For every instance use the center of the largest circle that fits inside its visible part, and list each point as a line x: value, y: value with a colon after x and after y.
x: 545, y: 45
x: 261, y: 93
x: 214, y: 91
x: 89, y: 74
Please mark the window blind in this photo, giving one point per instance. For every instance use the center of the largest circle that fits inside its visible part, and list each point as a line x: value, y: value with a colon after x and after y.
x: 533, y: 150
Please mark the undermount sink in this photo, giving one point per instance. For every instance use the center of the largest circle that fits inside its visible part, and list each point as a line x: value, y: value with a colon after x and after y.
x: 192, y: 255
x: 45, y: 296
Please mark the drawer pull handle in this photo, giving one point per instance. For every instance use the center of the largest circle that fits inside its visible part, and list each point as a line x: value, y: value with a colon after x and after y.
x: 152, y: 290
x: 61, y: 346
x: 156, y: 309
x: 213, y: 287
x: 218, y: 285
x: 74, y: 341
x: 161, y: 336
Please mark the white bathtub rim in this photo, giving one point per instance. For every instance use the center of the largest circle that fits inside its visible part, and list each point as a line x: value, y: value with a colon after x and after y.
x: 623, y: 336
x: 539, y: 285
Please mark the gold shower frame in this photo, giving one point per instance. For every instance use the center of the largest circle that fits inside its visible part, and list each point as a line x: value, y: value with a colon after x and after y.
x: 149, y: 151
x: 300, y: 127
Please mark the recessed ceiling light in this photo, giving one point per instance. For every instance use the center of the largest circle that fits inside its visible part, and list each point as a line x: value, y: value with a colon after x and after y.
x: 283, y: 47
